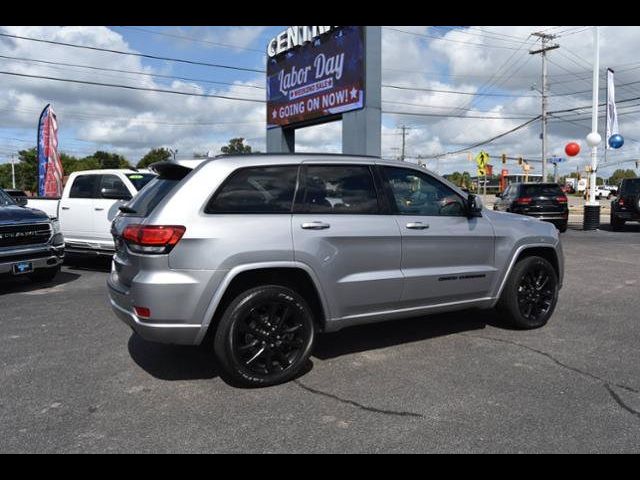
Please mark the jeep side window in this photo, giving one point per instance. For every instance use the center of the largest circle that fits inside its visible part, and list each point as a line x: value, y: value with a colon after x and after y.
x: 84, y: 186
x: 419, y: 194
x: 256, y: 190
x: 339, y: 189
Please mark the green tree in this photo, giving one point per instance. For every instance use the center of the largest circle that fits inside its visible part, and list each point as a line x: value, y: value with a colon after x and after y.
x: 621, y: 174
x: 108, y: 160
x: 154, y: 155
x: 236, y: 147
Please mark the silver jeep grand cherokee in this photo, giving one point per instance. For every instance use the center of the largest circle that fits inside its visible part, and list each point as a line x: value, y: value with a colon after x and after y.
x: 260, y: 253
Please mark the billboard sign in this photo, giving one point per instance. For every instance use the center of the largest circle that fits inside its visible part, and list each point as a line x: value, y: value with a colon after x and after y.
x: 321, y: 78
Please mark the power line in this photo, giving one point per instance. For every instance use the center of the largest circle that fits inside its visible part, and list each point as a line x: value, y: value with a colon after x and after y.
x: 424, y: 35
x: 485, y: 142
x: 134, y: 72
x: 143, y: 55
x: 454, y: 92
x: 130, y: 87
x: 442, y: 115
x: 199, y: 40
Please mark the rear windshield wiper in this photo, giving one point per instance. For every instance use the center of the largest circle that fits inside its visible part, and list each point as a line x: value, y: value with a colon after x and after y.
x: 125, y: 209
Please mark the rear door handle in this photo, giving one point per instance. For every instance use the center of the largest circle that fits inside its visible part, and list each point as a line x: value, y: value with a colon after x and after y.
x: 66, y: 208
x: 98, y: 209
x: 417, y: 226
x: 315, y: 226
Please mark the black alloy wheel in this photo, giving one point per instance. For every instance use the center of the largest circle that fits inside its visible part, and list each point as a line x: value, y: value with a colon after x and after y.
x: 536, y: 293
x: 530, y: 293
x: 265, y: 336
x: 269, y: 338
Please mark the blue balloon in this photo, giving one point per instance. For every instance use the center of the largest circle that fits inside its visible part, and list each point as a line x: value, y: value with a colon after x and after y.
x: 616, y: 141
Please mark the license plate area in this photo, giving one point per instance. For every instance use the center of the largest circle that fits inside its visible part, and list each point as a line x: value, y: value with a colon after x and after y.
x: 22, y: 268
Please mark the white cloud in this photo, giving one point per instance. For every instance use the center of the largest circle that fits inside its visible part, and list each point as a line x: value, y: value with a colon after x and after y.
x: 131, y: 122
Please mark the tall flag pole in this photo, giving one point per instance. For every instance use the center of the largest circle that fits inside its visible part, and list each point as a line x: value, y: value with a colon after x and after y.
x: 612, y: 112
x: 50, y: 171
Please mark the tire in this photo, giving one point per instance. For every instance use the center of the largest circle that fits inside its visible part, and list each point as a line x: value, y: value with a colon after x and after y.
x: 252, y: 320
x: 616, y: 224
x: 522, y: 304
x: 44, y: 275
x: 562, y: 227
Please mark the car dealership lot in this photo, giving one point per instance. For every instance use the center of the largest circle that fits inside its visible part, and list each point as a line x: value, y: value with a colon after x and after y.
x: 75, y: 379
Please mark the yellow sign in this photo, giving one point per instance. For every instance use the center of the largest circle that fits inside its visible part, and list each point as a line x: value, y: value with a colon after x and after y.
x: 482, y: 159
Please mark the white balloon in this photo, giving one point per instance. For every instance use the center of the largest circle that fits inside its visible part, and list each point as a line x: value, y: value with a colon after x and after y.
x: 594, y: 139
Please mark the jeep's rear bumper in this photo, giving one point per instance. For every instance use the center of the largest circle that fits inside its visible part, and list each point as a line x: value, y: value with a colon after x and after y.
x: 172, y: 333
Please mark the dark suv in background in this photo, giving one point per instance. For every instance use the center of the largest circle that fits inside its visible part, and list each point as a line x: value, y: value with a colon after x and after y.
x: 544, y: 201
x: 627, y: 206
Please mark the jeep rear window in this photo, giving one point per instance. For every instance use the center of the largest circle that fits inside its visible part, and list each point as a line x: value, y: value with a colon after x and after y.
x: 148, y: 199
x: 541, y: 191
x: 631, y: 187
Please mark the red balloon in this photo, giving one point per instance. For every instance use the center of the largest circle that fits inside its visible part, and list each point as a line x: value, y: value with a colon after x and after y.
x: 572, y: 149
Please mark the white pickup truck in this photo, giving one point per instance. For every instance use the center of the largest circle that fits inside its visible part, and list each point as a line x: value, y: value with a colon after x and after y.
x: 89, y: 203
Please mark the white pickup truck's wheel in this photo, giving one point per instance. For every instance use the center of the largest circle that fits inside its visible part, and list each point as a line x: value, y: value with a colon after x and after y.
x: 530, y: 294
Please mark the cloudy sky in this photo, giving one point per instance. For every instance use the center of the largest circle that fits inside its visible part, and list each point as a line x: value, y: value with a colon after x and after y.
x: 494, y: 78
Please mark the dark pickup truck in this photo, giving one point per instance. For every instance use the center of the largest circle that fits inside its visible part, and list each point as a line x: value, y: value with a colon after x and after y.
x: 30, y: 242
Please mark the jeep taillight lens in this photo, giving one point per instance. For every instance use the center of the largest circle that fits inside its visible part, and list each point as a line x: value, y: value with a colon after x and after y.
x: 562, y: 199
x: 155, y: 239
x: 524, y: 200
x: 621, y: 202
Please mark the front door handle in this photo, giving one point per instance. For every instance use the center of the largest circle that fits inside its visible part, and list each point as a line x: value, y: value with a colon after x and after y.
x: 66, y: 208
x: 315, y: 226
x: 98, y: 209
x: 417, y: 226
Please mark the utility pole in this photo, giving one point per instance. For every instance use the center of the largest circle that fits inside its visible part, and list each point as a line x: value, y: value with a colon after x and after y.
x: 13, y: 172
x: 404, y: 134
x: 545, y: 37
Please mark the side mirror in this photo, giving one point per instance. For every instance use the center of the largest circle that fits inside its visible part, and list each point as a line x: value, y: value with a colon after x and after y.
x: 474, y: 206
x: 498, y: 195
x: 113, y: 194
x: 22, y: 201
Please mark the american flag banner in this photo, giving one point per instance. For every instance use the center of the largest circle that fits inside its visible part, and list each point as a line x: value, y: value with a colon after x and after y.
x: 49, y: 166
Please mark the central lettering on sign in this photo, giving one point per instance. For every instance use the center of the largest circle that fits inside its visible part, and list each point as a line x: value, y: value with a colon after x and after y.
x: 322, y: 67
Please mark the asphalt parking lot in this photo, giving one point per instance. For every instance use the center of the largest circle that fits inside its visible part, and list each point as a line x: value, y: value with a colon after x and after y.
x: 75, y: 379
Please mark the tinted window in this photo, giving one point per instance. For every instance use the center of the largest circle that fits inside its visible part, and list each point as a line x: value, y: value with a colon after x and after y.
x: 631, y: 187
x: 257, y: 190
x: 111, y: 182
x: 140, y: 180
x: 417, y: 193
x: 5, y: 199
x: 145, y: 201
x: 84, y: 186
x: 541, y: 191
x: 340, y: 189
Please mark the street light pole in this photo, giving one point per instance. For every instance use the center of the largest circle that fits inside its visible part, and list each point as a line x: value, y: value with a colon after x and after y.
x: 592, y: 207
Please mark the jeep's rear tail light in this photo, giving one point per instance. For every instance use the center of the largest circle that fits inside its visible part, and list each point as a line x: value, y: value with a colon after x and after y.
x: 561, y: 199
x: 621, y: 202
x: 524, y: 200
x: 153, y: 239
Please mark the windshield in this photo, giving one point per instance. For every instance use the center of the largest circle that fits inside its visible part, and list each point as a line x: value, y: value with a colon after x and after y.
x: 541, y: 191
x: 5, y: 200
x: 139, y: 180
